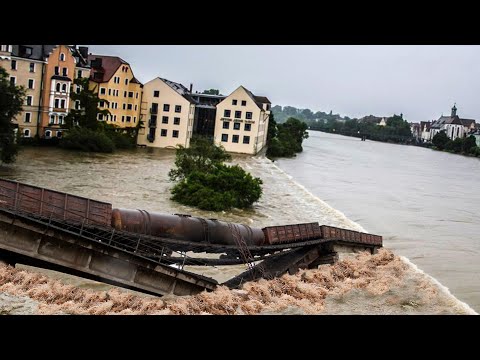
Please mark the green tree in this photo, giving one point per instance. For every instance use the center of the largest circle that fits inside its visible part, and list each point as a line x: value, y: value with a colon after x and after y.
x: 288, y: 139
x: 272, y: 128
x: 440, y: 140
x: 211, y: 92
x: 87, y: 115
x: 202, y: 155
x: 469, y: 144
x: 11, y: 100
x: 204, y: 181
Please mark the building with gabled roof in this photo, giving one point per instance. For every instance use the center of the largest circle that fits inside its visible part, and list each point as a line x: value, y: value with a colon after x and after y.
x: 452, y: 125
x: 113, y: 79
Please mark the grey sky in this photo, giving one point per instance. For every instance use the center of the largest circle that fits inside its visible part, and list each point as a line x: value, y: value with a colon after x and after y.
x: 421, y: 81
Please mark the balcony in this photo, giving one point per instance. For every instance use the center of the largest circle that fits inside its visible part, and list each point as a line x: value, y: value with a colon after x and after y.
x: 153, y: 110
x: 152, y: 123
x: 151, y: 137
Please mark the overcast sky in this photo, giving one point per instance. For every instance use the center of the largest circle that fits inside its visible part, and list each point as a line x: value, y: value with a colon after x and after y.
x: 422, y: 82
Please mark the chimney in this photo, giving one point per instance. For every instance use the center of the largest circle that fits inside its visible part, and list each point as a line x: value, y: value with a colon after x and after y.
x: 191, y: 87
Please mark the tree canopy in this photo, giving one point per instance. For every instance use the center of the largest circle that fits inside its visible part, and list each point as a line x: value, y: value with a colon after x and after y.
x: 11, y: 101
x: 287, y: 138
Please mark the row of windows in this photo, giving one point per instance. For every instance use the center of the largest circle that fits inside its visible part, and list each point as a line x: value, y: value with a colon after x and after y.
x: 153, y: 120
x: 60, y: 120
x: 113, y: 118
x: 103, y: 91
x: 116, y: 80
x: 61, y: 87
x: 164, y: 132
x: 31, y: 82
x: 238, y: 114
x: 235, y: 102
x: 114, y: 105
x: 166, y: 108
x: 14, y: 66
x: 235, y: 138
x: 48, y: 134
x: 236, y: 126
x: 64, y: 71
x: 59, y: 104
x: 124, y: 68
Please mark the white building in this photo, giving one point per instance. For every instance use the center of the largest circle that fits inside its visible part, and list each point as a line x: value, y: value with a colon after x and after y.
x: 241, y: 124
x: 452, y: 125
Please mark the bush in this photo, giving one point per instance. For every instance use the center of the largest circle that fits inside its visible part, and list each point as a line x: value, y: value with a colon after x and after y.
x: 87, y: 140
x: 223, y: 187
x: 288, y: 139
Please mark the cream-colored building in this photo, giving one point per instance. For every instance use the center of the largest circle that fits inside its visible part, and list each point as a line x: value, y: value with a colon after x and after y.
x: 168, y: 112
x: 241, y: 124
x: 112, y: 78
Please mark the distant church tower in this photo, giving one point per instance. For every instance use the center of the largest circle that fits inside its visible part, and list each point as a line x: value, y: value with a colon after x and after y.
x: 454, y: 110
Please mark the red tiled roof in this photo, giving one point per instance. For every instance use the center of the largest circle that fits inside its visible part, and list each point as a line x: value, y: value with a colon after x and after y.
x: 110, y: 65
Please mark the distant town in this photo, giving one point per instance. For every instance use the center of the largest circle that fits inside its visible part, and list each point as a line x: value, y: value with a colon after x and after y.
x: 167, y: 113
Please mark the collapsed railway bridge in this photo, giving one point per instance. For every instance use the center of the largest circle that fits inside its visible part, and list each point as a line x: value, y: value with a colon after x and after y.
x: 148, y: 252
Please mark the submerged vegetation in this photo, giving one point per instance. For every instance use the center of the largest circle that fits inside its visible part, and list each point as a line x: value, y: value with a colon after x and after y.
x: 285, y: 140
x: 465, y: 146
x: 204, y: 181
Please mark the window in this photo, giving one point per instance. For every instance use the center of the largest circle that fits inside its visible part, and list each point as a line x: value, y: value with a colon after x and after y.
x: 103, y: 91
x: 29, y: 100
x: 248, y: 115
x: 234, y: 102
x: 248, y: 127
x: 57, y: 70
x: 166, y: 107
x: 100, y: 117
x: 129, y: 107
x: 65, y: 71
x: 78, y: 89
x: 32, y: 67
x: 62, y: 57
x: 116, y: 93
x: 178, y: 108
x: 134, y: 119
x: 59, y: 134
x: 14, y: 65
x: 235, y: 138
x: 124, y: 94
x: 28, y: 117
x: 56, y: 103
x: 64, y: 88
x: 226, y: 125
x: 124, y: 106
x: 130, y: 94
x: 238, y: 114
x: 236, y: 126
x: 246, y: 139
x: 77, y: 104
x: 156, y: 93
x: 136, y: 95
x: 52, y: 119
x: 128, y: 119
x: 136, y: 108
x: 164, y: 119
x: 62, y: 103
x: 13, y: 80
x: 163, y: 132
x: 60, y: 119
x: 57, y: 87
x: 102, y: 103
x: 175, y: 133
x: 109, y: 92
x: 244, y: 102
x: 176, y: 121
x: 123, y: 118
x: 224, y: 137
x: 48, y: 134
x: 227, y: 113
x: 30, y: 83
x: 126, y: 81
x: 79, y: 73
x: 26, y: 132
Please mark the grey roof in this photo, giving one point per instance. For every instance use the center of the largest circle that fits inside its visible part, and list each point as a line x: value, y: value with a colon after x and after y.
x: 59, y: 77
x: 179, y: 88
x: 41, y: 53
x: 259, y: 100
x: 443, y: 120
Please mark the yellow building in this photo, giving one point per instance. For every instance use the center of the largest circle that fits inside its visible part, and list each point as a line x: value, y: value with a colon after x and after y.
x: 168, y: 112
x: 241, y: 124
x: 112, y: 78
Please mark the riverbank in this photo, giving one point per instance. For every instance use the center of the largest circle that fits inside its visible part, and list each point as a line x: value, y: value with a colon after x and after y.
x: 358, y: 284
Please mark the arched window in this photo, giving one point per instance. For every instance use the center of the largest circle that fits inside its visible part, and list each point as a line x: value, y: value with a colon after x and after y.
x: 59, y: 134
x: 62, y: 57
x: 26, y: 132
x: 64, y: 88
x: 58, y: 87
x: 48, y: 134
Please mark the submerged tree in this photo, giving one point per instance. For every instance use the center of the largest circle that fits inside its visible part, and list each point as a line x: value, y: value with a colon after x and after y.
x: 11, y: 100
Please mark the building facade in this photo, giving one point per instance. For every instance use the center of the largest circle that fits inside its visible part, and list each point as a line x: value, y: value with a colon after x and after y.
x: 425, y: 131
x: 452, y: 126
x: 46, y: 72
x: 241, y: 124
x: 168, y: 110
x: 113, y: 79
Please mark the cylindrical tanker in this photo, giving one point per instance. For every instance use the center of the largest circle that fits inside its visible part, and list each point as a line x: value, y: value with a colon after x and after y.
x: 184, y: 227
